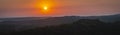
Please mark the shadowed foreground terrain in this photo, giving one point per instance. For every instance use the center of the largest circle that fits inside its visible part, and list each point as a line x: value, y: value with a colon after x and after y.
x: 67, y: 25
x: 80, y: 27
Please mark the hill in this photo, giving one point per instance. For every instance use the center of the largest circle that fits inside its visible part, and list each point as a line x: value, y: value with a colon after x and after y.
x: 20, y: 24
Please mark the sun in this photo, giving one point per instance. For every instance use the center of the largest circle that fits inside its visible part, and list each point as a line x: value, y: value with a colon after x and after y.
x: 45, y: 8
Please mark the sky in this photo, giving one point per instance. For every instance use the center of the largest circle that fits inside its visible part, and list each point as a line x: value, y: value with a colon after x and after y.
x: 31, y: 8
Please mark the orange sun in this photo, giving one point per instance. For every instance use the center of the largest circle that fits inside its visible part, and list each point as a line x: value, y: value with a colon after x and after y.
x: 45, y: 6
x: 45, y: 10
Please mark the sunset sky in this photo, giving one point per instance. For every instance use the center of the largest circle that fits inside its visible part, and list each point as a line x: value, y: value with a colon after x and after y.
x: 30, y: 8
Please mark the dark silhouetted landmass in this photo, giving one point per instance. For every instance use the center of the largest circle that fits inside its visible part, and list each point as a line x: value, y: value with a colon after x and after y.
x: 68, y: 25
x: 80, y: 27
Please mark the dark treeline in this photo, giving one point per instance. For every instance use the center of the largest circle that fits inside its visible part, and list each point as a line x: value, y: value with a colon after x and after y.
x: 80, y: 27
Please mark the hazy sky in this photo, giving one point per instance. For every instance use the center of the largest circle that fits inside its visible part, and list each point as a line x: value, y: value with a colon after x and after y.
x: 10, y: 8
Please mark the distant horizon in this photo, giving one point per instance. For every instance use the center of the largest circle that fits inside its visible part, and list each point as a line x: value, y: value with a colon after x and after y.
x: 52, y: 16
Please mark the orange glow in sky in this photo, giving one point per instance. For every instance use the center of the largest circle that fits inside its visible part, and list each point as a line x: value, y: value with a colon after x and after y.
x: 45, y: 6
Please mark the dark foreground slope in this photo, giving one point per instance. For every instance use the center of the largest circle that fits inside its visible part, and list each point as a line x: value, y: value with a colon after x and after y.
x: 25, y: 23
x: 81, y: 27
x: 18, y: 24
